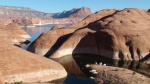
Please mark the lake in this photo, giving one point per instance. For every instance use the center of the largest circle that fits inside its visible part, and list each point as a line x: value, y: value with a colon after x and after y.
x: 35, y: 32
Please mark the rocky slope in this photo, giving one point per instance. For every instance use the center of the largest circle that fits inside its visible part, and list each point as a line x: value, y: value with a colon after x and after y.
x: 27, y: 16
x: 115, y: 34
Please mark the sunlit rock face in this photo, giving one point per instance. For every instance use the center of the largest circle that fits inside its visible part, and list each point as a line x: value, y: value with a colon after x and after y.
x: 121, y: 34
x: 13, y: 33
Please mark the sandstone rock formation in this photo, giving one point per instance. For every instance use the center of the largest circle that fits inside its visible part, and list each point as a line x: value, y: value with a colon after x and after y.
x: 50, y: 41
x: 115, y: 75
x: 13, y: 33
x: 116, y: 34
x: 19, y: 65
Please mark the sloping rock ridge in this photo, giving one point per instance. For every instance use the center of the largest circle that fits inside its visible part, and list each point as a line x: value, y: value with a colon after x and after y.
x: 115, y: 34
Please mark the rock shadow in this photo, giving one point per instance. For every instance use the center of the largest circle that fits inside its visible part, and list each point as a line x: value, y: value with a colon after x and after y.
x: 57, y: 44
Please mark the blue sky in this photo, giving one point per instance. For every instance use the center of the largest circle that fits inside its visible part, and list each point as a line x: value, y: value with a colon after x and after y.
x: 54, y: 6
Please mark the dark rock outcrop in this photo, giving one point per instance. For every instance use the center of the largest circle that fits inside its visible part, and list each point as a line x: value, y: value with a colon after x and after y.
x: 148, y: 10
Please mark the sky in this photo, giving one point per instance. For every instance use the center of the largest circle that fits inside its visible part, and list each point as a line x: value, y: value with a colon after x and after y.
x: 54, y: 6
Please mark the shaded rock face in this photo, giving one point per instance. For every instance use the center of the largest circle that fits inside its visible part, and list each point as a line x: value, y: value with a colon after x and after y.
x: 13, y: 33
x: 148, y: 10
x: 118, y: 34
x: 19, y: 65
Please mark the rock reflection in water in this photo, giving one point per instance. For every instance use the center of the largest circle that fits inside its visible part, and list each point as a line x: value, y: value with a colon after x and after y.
x: 73, y: 69
x: 137, y: 66
x: 71, y: 66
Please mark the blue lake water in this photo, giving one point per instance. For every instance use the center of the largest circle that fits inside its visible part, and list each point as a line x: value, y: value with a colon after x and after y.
x: 35, y: 32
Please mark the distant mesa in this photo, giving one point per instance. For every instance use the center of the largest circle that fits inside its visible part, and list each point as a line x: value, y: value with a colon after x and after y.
x: 74, y: 13
x: 27, y: 16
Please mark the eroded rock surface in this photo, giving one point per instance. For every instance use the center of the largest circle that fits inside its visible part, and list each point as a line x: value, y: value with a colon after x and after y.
x: 115, y: 34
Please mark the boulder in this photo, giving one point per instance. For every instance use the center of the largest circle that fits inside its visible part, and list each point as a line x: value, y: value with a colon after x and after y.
x: 17, y: 65
x: 13, y: 33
